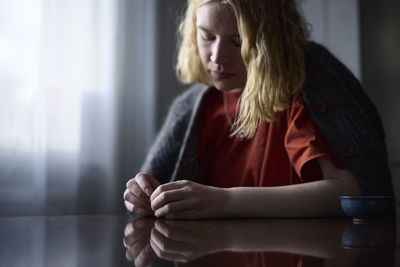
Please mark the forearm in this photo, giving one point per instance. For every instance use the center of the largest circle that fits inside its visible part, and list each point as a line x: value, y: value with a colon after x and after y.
x: 314, y: 199
x: 312, y: 237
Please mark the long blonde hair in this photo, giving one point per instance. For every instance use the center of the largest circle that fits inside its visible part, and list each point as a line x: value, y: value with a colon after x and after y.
x: 274, y: 38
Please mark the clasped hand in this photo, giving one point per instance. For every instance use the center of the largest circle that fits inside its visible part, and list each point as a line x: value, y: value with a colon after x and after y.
x: 181, y: 199
x: 181, y: 241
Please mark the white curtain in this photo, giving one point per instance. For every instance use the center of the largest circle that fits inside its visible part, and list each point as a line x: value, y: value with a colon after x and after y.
x: 61, y: 84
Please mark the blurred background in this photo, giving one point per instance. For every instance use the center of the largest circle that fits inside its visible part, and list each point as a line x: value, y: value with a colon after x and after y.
x: 86, y: 84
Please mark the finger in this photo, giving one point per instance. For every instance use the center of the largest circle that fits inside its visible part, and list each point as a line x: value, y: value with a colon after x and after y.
x: 134, y: 205
x: 150, y: 179
x: 139, y: 226
x: 188, y: 229
x: 134, y: 188
x: 129, y: 256
x: 131, y: 239
x: 140, y: 223
x: 145, y: 256
x: 176, y: 233
x: 129, y: 206
x: 166, y: 244
x: 154, y: 182
x: 128, y: 229
x: 138, y: 210
x: 167, y: 187
x: 133, y: 251
x: 163, y: 248
x: 173, y: 209
x: 165, y: 255
x: 136, y: 200
x: 167, y: 196
x: 146, y: 182
x: 128, y: 241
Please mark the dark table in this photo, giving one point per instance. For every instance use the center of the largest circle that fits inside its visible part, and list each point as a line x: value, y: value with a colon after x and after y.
x: 126, y: 241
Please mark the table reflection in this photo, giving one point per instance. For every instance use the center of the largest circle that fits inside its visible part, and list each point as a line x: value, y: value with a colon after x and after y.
x: 129, y: 241
x: 260, y: 242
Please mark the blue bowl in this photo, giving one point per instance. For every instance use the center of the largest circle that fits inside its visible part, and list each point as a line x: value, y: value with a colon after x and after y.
x: 369, y: 235
x: 365, y: 208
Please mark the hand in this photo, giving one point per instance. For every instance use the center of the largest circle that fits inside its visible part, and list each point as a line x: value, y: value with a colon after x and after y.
x: 137, y: 241
x: 190, y: 240
x: 184, y: 241
x: 188, y: 200
x: 138, y: 192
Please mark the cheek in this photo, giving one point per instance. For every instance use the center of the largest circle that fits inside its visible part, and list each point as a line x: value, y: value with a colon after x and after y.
x: 202, y: 51
x: 203, y: 56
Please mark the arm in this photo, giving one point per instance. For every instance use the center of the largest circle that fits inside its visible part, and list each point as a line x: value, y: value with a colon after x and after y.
x: 185, y: 199
x: 314, y: 199
x: 193, y: 238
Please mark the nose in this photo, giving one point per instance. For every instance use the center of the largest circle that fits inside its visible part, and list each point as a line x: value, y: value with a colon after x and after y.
x: 219, y: 53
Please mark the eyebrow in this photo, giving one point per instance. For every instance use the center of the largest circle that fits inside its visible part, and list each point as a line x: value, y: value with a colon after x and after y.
x: 208, y: 31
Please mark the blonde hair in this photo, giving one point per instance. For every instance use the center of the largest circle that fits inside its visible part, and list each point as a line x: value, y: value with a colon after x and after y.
x: 274, y: 38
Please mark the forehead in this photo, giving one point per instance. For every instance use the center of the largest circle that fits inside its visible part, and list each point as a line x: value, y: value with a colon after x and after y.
x: 216, y: 17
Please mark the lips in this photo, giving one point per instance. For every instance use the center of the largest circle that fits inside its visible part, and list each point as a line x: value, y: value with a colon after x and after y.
x: 221, y: 75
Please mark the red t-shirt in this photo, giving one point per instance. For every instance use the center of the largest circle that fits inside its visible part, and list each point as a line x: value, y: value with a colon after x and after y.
x: 251, y: 259
x: 282, y: 152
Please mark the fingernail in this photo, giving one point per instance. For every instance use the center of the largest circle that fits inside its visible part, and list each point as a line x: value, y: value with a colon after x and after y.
x: 148, y: 191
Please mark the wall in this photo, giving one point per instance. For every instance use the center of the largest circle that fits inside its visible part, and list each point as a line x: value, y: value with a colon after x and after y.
x: 168, y: 17
x: 335, y: 24
x: 380, y: 39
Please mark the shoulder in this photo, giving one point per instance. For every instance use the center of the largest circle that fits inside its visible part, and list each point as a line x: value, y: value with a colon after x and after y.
x: 323, y: 68
x: 185, y: 105
x: 332, y: 90
x: 186, y: 100
x: 333, y: 94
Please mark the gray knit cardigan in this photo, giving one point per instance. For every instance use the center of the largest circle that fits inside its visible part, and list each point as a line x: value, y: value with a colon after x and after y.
x: 337, y: 104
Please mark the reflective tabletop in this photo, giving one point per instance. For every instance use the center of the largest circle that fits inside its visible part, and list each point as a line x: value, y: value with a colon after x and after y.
x: 133, y: 241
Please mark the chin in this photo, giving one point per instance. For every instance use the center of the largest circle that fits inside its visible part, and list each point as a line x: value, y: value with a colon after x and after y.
x: 226, y: 86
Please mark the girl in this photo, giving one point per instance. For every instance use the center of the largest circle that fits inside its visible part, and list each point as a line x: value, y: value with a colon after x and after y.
x: 274, y: 127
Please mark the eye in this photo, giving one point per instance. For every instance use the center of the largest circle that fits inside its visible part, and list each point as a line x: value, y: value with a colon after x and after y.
x: 237, y: 42
x: 207, y: 36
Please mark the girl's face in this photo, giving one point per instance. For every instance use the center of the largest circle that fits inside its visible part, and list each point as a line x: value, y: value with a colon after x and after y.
x: 218, y: 43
